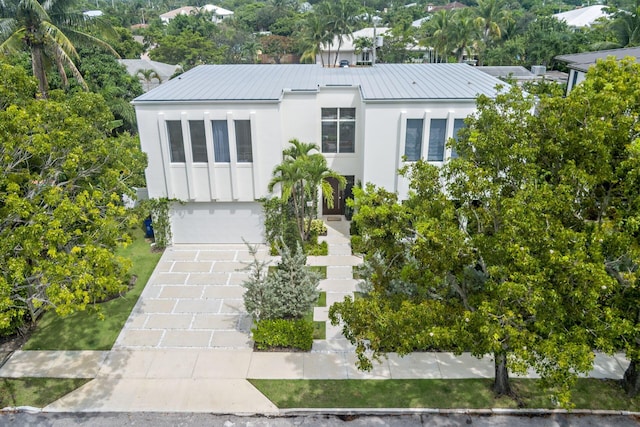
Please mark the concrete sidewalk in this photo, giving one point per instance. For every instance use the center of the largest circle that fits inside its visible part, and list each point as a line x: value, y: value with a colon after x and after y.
x: 186, y: 345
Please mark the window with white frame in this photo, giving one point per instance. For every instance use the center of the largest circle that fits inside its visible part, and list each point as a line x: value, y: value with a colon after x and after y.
x: 437, y: 138
x: 220, y: 141
x: 176, y: 142
x: 198, y: 141
x: 413, y: 140
x: 243, y: 141
x: 338, y: 130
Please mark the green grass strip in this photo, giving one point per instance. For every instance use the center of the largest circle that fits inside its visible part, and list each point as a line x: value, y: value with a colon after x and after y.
x: 84, y: 330
x: 465, y: 394
x: 38, y: 392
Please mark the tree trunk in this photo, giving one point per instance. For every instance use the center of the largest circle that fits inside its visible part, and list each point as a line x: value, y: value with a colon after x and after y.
x: 631, y: 379
x: 38, y: 71
x: 501, y: 384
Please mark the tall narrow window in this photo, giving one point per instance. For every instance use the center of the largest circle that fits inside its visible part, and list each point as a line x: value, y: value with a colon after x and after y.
x: 413, y: 141
x: 243, y: 141
x: 221, y: 141
x: 338, y: 130
x: 198, y: 141
x: 437, y: 133
x: 457, y: 125
x: 176, y: 144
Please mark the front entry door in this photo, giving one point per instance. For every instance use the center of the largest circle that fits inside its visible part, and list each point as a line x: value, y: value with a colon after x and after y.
x: 339, y: 196
x: 337, y: 208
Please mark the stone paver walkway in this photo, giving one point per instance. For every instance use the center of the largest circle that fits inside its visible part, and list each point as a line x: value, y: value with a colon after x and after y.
x: 186, y: 345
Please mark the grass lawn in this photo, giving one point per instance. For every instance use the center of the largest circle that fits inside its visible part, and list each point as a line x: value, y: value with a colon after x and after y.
x: 84, y: 330
x: 468, y: 394
x: 322, y: 299
x: 320, y: 269
x: 38, y: 392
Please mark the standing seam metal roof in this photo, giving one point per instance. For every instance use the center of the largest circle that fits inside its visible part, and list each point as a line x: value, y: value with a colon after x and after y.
x: 378, y: 83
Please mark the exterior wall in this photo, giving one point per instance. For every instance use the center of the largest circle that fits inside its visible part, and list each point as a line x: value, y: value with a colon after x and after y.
x: 220, y: 198
x: 575, y: 77
x: 217, y: 222
x: 205, y: 182
x: 385, y: 133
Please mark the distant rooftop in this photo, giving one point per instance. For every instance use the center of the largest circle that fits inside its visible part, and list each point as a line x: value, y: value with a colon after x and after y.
x: 582, y: 61
x: 383, y: 82
x: 583, y: 16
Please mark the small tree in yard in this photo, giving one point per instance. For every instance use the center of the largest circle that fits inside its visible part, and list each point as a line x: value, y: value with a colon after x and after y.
x: 301, y: 174
x: 288, y: 292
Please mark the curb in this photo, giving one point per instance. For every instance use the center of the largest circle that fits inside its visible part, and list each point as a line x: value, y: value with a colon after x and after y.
x: 436, y: 411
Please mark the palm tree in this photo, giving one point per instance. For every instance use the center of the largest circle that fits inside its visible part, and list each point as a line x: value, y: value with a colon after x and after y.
x: 439, y: 30
x: 314, y: 36
x: 148, y: 75
x: 318, y: 174
x: 302, y: 173
x: 344, y: 21
x: 626, y: 26
x: 490, y: 14
x: 464, y: 33
x: 46, y: 30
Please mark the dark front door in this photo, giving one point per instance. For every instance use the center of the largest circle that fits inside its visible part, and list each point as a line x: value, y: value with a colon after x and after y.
x: 339, y: 197
x: 337, y: 208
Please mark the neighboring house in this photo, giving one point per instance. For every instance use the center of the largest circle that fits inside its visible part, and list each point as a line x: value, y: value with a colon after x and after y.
x: 218, y: 13
x: 579, y: 63
x: 214, y: 134
x: 348, y: 50
x: 139, y: 68
x: 582, y: 16
x: 431, y: 8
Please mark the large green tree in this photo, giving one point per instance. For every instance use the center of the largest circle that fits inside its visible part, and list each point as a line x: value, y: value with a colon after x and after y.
x: 49, y: 30
x: 61, y: 211
x: 592, y: 149
x: 487, y: 264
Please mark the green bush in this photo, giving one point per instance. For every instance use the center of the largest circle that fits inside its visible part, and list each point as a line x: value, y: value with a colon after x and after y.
x: 316, y: 249
x: 318, y: 227
x: 283, y: 333
x: 356, y: 244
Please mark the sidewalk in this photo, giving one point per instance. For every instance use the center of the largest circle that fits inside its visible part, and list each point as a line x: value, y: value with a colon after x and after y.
x: 185, y: 347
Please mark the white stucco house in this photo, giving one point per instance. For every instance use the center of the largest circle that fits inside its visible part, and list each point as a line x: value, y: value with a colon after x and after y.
x: 218, y: 12
x: 214, y: 134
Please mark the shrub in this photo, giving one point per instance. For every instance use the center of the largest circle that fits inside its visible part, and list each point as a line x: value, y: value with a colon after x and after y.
x: 283, y: 333
x: 288, y: 293
x: 316, y: 249
x: 318, y: 227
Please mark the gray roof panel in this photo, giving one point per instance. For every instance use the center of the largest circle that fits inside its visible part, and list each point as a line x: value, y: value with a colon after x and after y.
x: 378, y: 83
x: 582, y: 61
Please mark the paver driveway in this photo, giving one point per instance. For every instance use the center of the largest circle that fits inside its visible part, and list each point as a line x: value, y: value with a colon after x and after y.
x: 193, y: 300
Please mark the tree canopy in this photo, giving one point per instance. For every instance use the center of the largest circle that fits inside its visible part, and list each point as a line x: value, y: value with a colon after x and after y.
x: 524, y: 247
x: 61, y: 209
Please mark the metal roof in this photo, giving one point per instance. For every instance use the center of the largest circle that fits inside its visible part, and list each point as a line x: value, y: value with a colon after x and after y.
x: 378, y: 83
x: 582, y: 61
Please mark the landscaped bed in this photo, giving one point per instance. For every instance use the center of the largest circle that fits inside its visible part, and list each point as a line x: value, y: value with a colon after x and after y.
x: 589, y: 393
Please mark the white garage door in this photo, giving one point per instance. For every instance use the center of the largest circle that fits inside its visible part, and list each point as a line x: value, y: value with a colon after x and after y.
x: 222, y: 222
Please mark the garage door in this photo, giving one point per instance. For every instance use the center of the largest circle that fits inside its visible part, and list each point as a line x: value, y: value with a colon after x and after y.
x: 223, y: 222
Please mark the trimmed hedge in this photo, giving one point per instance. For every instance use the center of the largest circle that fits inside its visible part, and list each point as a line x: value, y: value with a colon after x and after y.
x: 283, y: 333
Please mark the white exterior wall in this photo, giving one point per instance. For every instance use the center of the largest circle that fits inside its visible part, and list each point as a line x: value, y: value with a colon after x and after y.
x: 204, y: 182
x: 575, y: 77
x: 220, y: 198
x: 385, y: 134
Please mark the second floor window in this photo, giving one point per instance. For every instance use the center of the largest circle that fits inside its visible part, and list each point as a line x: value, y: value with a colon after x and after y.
x: 243, y: 141
x: 338, y: 130
x: 198, y: 141
x: 437, y: 138
x: 176, y: 143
